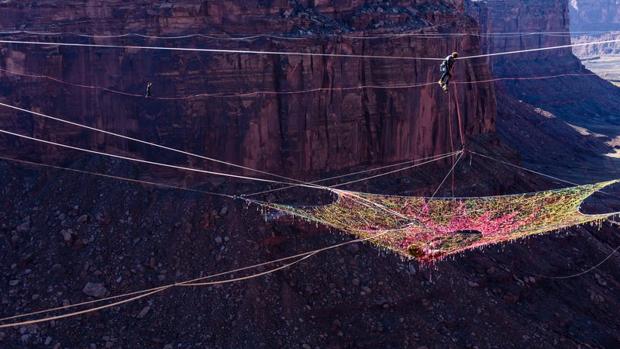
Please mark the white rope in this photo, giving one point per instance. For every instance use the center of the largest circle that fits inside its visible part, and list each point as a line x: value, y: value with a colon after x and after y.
x: 355, y: 173
x: 148, y: 292
x: 537, y: 172
x: 188, y: 153
x: 242, y: 37
x: 195, y: 169
x: 448, y: 174
x: 288, y: 53
x: 131, y: 180
x: 271, y: 92
x: 143, y: 141
x: 156, y: 163
x: 215, y: 50
x: 542, y: 49
x: 526, y: 169
x: 395, y: 171
x: 613, y: 252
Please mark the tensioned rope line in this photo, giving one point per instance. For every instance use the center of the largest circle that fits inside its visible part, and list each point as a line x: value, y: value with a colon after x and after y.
x: 535, y: 172
x: 150, y: 293
x: 525, y: 169
x: 161, y: 288
x: 355, y: 173
x: 131, y: 180
x: 241, y: 37
x: 395, y: 171
x: 459, y: 118
x: 162, y: 146
x: 298, y: 53
x: 448, y: 174
x: 451, y: 138
x: 191, y: 169
x: 169, y: 186
x: 240, y: 197
x: 271, y: 92
x: 194, y: 282
x: 299, y: 183
x: 215, y: 50
x: 613, y: 252
x: 144, y: 142
x: 381, y: 207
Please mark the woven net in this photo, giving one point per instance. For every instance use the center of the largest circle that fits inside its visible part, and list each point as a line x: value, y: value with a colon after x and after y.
x: 429, y: 229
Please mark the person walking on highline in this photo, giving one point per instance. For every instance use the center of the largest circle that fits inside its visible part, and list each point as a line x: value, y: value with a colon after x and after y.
x: 149, y: 85
x: 446, y: 70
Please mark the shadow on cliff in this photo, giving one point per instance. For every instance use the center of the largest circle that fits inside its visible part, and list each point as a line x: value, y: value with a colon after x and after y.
x: 553, y: 146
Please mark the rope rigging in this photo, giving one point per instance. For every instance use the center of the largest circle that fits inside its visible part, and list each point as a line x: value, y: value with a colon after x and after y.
x: 305, y: 91
x: 243, y: 37
x: 298, y: 53
x: 423, y: 228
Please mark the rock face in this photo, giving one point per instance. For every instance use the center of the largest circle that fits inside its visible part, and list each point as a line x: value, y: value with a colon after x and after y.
x: 294, y: 134
x: 593, y: 15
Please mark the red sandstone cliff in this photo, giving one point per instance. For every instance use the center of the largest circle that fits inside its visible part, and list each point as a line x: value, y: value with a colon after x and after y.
x: 296, y: 134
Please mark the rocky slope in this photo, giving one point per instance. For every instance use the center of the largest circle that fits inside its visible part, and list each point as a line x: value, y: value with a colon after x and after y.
x: 298, y: 134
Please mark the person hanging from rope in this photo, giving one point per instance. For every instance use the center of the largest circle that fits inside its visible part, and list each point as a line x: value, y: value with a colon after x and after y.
x: 149, y: 85
x: 446, y: 70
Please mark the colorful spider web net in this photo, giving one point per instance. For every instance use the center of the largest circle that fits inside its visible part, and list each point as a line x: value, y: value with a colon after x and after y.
x: 429, y: 229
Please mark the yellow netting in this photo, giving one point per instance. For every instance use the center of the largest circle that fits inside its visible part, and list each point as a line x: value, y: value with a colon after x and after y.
x: 429, y: 229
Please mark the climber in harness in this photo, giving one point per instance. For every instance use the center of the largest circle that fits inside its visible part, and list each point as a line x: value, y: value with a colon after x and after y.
x: 149, y: 85
x: 446, y: 69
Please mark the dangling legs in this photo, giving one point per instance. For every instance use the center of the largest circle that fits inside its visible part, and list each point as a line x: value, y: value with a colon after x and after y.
x: 446, y: 80
x: 444, y: 73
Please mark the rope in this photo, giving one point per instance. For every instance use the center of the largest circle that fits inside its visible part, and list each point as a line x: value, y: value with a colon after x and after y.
x: 451, y: 140
x: 536, y: 172
x: 289, y: 53
x: 448, y: 174
x: 156, y: 163
x: 161, y: 288
x: 266, y: 92
x: 458, y: 113
x: 143, y: 142
x: 173, y: 149
x: 144, y: 295
x: 353, y: 174
x: 256, y: 202
x: 585, y: 271
x: 525, y: 169
x: 225, y: 36
x: 197, y: 170
x: 215, y: 50
x: 148, y: 292
x: 541, y: 49
x: 137, y: 181
x: 394, y: 171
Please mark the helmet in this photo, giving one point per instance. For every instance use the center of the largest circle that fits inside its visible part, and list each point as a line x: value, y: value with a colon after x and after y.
x: 455, y: 54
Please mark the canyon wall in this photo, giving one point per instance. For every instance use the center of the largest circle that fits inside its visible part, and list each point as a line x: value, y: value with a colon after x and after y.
x: 291, y: 134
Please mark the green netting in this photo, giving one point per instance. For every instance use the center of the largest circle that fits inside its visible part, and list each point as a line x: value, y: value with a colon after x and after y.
x: 428, y: 229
